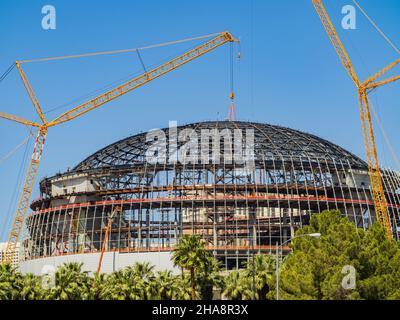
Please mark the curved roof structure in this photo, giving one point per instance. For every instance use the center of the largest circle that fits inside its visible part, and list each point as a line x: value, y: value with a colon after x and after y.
x: 238, y: 207
x: 271, y: 141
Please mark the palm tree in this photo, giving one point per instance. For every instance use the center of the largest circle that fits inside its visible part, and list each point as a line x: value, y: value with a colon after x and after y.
x: 234, y: 285
x: 131, y: 283
x: 72, y: 283
x: 143, y: 270
x: 190, y: 254
x: 210, y: 277
x: 32, y: 288
x: 142, y: 276
x: 262, y: 267
x: 10, y: 282
x: 118, y: 287
x: 97, y: 286
x: 166, y: 285
x: 184, y: 290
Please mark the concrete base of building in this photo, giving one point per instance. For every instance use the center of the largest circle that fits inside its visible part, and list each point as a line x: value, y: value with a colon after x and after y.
x: 112, y: 261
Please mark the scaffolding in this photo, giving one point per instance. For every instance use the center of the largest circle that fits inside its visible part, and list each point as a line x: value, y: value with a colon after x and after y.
x: 238, y: 211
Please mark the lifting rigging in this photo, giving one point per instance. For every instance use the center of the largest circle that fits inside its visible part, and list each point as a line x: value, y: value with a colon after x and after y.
x: 232, y: 114
x: 42, y: 128
x: 363, y: 88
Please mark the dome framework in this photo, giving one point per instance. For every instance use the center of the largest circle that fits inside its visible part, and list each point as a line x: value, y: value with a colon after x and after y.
x: 238, y: 210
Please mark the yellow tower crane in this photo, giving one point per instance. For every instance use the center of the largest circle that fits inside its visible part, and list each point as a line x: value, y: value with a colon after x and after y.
x: 23, y: 202
x: 366, y: 122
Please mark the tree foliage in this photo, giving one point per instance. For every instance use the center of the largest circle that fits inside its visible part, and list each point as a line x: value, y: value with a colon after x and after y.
x: 318, y: 268
x: 203, y: 268
x: 254, y: 281
x: 315, y: 269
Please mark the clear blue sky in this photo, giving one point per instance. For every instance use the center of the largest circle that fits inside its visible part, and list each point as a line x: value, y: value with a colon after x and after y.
x: 289, y: 73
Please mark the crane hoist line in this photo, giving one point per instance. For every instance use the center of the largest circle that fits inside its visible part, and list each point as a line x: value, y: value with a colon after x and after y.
x: 363, y: 88
x: 42, y: 128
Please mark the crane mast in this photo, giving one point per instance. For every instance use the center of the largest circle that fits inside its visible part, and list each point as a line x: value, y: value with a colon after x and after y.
x: 363, y: 89
x: 23, y: 202
x: 30, y: 178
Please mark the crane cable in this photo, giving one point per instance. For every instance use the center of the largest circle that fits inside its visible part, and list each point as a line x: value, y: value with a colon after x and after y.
x: 141, y: 61
x: 231, y: 115
x: 118, y: 51
x: 7, y: 217
x: 103, y: 88
x: 14, y: 150
x: 7, y: 72
x: 377, y: 28
x: 385, y: 136
x: 379, y: 122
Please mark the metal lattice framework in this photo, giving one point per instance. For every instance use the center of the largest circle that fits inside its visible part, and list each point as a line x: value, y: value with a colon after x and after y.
x: 236, y: 209
x: 271, y: 141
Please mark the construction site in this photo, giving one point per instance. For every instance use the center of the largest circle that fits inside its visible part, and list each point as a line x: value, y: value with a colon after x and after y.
x: 237, y: 211
x: 115, y: 207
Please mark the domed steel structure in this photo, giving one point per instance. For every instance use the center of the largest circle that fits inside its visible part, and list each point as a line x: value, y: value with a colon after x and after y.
x: 271, y: 141
x: 239, y: 206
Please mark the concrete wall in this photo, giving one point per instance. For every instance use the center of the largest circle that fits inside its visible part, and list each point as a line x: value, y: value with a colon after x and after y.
x: 359, y: 178
x: 73, y: 183
x: 112, y: 261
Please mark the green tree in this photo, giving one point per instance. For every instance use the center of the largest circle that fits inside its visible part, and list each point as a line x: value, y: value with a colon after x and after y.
x: 166, y: 286
x: 136, y: 282
x: 32, y: 288
x: 71, y: 283
x: 237, y: 286
x: 118, y: 287
x: 209, y: 276
x: 191, y: 255
x: 11, y: 283
x: 263, y: 268
x: 314, y: 269
x: 142, y: 278
x: 97, y: 286
x: 184, y: 288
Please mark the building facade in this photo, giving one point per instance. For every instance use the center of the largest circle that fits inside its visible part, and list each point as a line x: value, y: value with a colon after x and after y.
x: 17, y: 257
x: 243, y: 187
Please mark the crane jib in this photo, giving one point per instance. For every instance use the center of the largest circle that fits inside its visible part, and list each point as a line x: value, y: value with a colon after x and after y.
x: 108, y: 96
x: 143, y: 79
